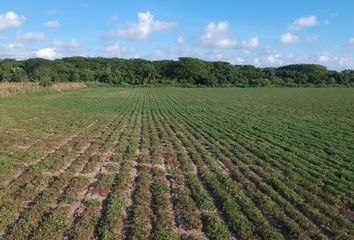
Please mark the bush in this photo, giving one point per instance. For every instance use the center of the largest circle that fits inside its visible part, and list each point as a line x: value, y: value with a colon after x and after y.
x: 46, y: 83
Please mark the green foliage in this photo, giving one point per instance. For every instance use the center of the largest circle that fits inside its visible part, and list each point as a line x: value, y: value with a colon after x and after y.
x: 115, y: 209
x: 18, y: 75
x: 186, y: 72
x: 46, y: 83
x: 215, y: 228
x: 168, y: 163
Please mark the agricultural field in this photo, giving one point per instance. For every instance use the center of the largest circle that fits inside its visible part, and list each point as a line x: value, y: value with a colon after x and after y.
x: 172, y: 163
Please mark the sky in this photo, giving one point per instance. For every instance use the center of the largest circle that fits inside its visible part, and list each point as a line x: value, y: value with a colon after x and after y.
x: 257, y: 32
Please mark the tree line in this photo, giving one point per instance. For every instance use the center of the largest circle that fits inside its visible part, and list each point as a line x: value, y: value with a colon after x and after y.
x: 184, y: 72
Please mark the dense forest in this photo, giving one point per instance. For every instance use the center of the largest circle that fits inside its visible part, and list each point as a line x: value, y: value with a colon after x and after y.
x: 184, y: 72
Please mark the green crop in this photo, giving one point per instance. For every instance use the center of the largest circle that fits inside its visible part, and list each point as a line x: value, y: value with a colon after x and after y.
x: 171, y: 163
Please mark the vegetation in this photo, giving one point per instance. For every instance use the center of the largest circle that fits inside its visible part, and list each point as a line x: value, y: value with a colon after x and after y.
x: 173, y: 163
x: 21, y: 88
x: 184, y: 72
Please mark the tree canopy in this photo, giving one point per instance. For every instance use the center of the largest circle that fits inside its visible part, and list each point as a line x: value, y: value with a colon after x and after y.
x: 185, y: 71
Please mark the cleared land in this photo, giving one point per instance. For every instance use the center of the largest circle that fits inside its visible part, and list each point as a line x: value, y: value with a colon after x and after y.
x: 175, y: 163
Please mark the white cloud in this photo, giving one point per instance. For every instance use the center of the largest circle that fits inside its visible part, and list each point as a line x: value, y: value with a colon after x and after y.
x: 324, y: 58
x: 141, y: 30
x: 351, y: 41
x: 14, y: 51
x: 312, y: 39
x: 16, y: 46
x: 257, y: 62
x: 10, y: 20
x: 252, y: 43
x: 117, y: 50
x: 172, y: 52
x: 69, y: 48
x: 57, y: 43
x: 47, y: 53
x: 73, y: 45
x: 52, y: 24
x: 238, y: 60
x: 214, y: 56
x: 303, y: 22
x: 274, y: 59
x: 288, y: 38
x: 180, y: 40
x: 216, y: 36
x: 269, y: 57
x: 346, y: 62
x: 31, y: 36
x: 332, y: 60
x: 157, y: 54
x: 335, y: 60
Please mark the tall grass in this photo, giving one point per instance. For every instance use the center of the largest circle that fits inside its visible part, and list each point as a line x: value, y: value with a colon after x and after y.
x: 11, y: 89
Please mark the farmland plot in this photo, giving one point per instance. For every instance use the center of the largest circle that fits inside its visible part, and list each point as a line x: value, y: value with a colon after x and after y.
x: 171, y: 163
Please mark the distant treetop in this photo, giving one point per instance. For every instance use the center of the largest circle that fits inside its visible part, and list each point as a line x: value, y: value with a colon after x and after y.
x: 184, y: 72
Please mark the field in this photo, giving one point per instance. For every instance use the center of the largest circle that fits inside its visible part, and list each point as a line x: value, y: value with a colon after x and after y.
x: 169, y: 163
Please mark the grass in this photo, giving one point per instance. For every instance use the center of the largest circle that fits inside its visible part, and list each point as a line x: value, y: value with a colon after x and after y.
x: 24, y: 88
x: 170, y: 163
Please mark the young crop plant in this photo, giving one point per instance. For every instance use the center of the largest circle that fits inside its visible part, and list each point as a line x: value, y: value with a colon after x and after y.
x: 173, y: 163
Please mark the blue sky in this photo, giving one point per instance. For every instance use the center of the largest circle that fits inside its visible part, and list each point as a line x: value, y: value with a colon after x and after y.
x: 257, y: 32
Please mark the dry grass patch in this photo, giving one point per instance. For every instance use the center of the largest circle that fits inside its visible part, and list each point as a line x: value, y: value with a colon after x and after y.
x: 11, y: 89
